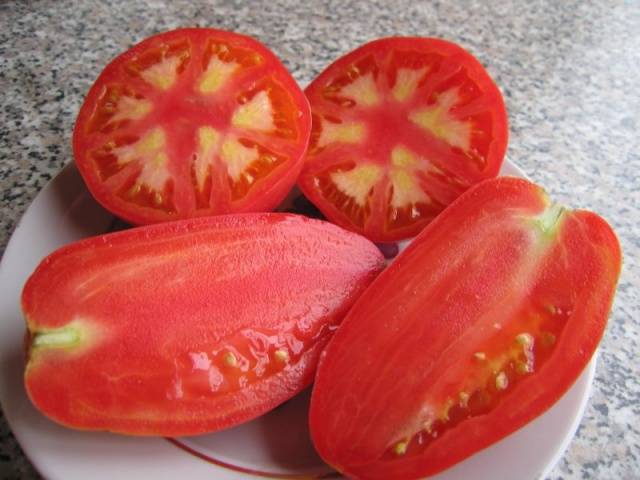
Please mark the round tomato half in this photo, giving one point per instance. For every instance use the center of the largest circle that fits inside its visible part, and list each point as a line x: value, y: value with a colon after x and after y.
x: 189, y: 123
x: 401, y: 127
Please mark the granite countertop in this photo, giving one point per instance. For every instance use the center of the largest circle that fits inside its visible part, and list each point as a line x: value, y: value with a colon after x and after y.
x: 569, y: 72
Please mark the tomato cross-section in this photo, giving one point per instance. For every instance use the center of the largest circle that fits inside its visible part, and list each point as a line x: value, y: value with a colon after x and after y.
x: 401, y: 127
x: 192, y: 122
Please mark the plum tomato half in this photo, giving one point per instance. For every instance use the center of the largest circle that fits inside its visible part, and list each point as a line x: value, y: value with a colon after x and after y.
x: 477, y: 328
x: 188, y: 327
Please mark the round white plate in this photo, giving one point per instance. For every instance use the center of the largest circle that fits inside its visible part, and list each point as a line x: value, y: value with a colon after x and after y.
x: 276, y: 445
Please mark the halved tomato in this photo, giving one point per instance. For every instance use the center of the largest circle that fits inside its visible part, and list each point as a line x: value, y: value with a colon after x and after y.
x: 401, y: 127
x: 188, y: 327
x: 189, y: 123
x: 478, y: 327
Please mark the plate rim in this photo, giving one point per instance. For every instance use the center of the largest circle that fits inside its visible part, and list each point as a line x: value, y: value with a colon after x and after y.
x: 38, y: 459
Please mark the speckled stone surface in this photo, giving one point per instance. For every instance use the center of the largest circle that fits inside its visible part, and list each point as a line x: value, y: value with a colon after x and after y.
x: 569, y: 72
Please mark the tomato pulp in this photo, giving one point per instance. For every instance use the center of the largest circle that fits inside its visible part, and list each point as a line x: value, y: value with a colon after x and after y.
x: 192, y: 122
x: 401, y: 127
x: 479, y: 326
x: 188, y: 327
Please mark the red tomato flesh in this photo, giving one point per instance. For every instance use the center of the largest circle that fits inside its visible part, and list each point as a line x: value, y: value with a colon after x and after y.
x: 188, y: 327
x: 478, y: 327
x: 192, y: 122
x: 401, y: 127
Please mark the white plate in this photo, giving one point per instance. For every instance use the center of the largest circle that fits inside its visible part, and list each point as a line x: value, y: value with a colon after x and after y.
x: 276, y: 444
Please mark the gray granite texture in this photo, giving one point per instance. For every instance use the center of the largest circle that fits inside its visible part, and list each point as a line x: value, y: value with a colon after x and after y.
x: 569, y: 72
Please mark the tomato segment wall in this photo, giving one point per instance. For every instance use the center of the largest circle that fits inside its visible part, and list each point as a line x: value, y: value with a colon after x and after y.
x: 188, y: 327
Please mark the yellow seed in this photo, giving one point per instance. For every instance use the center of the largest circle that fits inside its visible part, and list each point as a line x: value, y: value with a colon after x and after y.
x: 524, y: 339
x: 428, y: 425
x: 157, y: 199
x: 523, y: 367
x: 400, y: 448
x: 552, y: 309
x: 464, y: 399
x: 447, y: 406
x: 281, y: 355
x: 480, y: 356
x: 548, y: 338
x: 230, y: 359
x: 502, y: 381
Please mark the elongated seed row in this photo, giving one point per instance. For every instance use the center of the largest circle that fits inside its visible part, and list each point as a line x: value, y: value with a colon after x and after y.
x: 505, y: 372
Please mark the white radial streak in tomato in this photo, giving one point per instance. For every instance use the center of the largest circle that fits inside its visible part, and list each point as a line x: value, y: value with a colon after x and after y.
x: 362, y: 90
x: 407, y: 80
x: 155, y: 173
x: 357, y: 183
x: 151, y: 144
x: 406, y: 190
x: 439, y: 122
x: 208, y: 145
x: 130, y: 108
x: 402, y: 157
x: 216, y: 75
x: 256, y: 114
x: 163, y: 74
x: 350, y: 132
x: 150, y: 151
x: 237, y: 157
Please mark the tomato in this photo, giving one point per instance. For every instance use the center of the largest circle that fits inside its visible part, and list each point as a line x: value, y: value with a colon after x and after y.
x: 188, y: 327
x: 401, y: 127
x: 190, y: 123
x: 478, y: 327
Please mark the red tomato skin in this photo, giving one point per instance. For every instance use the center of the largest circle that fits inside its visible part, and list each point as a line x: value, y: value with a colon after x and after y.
x: 262, y: 198
x: 500, y: 132
x: 353, y: 438
x: 188, y: 327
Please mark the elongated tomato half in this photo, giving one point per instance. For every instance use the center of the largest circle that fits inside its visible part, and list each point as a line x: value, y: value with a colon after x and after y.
x: 401, y: 127
x: 478, y: 327
x: 189, y: 123
x: 188, y: 327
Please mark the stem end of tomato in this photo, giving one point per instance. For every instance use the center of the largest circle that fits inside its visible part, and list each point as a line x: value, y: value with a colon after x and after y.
x: 75, y: 335
x: 62, y: 337
x: 549, y: 220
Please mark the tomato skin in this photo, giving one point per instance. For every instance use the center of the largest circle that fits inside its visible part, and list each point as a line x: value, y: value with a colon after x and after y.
x: 180, y: 115
x: 388, y: 127
x: 502, y: 267
x: 188, y: 327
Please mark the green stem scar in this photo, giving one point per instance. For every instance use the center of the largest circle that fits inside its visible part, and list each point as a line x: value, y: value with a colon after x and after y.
x: 57, y: 338
x: 549, y: 220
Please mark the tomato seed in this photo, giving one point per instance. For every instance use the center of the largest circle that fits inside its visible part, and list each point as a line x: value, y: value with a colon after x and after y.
x: 400, y: 448
x: 282, y: 355
x: 480, y: 356
x: 502, y: 381
x: 230, y: 360
x: 525, y: 339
